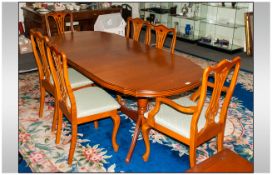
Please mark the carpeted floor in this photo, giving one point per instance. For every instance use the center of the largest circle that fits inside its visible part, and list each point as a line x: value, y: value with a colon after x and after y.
x: 94, y: 152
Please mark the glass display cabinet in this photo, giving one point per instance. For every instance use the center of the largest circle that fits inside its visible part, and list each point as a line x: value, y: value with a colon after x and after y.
x: 217, y: 25
x: 186, y: 20
x: 156, y: 13
x: 223, y: 25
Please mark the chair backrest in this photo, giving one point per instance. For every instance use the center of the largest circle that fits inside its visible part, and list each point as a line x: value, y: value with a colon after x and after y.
x: 137, y: 24
x: 223, y: 79
x: 64, y: 93
x: 59, y: 19
x: 161, y: 34
x: 38, y: 42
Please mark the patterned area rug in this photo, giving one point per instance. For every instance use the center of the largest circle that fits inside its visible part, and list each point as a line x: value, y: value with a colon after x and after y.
x: 94, y: 152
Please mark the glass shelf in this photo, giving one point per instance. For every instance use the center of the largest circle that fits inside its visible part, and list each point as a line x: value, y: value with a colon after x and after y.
x: 195, y: 18
x: 230, y: 47
x: 229, y: 25
x: 192, y: 38
x: 188, y: 37
x: 220, y: 6
x: 156, y: 10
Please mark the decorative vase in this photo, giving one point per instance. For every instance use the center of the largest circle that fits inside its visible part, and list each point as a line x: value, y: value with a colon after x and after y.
x: 187, y: 29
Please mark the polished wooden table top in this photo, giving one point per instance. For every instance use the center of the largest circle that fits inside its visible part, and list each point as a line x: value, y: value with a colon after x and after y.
x: 127, y: 66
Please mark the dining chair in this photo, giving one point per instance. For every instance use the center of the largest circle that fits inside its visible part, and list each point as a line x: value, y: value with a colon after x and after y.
x: 78, y: 80
x: 59, y: 20
x: 137, y: 24
x: 80, y: 106
x: 195, y: 119
x: 161, y: 33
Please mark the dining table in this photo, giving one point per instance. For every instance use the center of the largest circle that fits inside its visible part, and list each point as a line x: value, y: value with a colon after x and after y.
x: 128, y: 68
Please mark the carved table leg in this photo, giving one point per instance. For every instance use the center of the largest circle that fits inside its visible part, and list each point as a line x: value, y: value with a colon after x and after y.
x: 142, y: 105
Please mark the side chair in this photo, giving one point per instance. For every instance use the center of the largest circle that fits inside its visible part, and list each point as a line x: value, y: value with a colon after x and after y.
x: 195, y: 119
x: 137, y: 24
x: 81, y: 106
x: 59, y: 19
x: 161, y: 34
x: 78, y: 80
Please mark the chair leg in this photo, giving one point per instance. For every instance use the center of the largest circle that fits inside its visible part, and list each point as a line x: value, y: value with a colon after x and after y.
x: 145, y: 133
x: 42, y: 98
x: 73, y: 144
x: 55, y: 117
x: 59, y: 127
x: 220, y: 141
x: 192, y: 155
x: 95, y: 124
x: 116, y: 123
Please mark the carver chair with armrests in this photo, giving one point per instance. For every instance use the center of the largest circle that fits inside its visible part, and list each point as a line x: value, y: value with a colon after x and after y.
x: 137, y: 24
x: 196, y: 119
x: 38, y: 42
x: 161, y: 34
x: 81, y: 106
x: 59, y: 20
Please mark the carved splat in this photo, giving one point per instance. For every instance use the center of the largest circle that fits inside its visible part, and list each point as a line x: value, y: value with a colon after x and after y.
x: 59, y: 19
x: 137, y: 27
x: 38, y: 45
x: 161, y: 34
x: 220, y: 73
x: 60, y: 76
x: 137, y: 24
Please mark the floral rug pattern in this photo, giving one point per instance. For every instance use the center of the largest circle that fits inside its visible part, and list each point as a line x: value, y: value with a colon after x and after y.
x: 38, y: 148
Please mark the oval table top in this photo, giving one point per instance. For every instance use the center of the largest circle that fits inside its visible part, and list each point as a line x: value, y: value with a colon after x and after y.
x: 126, y: 66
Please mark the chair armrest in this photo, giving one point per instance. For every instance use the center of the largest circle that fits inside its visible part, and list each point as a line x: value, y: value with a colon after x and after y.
x: 159, y: 100
x: 196, y: 94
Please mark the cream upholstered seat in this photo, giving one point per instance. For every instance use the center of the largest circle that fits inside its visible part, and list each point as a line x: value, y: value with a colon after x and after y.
x: 196, y: 119
x: 180, y: 122
x: 93, y: 100
x: 77, y: 80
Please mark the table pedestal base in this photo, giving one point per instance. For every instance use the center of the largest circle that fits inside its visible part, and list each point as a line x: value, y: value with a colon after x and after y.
x: 136, y: 116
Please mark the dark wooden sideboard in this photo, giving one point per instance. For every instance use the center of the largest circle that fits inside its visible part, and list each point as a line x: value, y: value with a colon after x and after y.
x: 86, y: 18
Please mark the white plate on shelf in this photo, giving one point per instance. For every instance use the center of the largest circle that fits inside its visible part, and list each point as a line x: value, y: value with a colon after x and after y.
x: 43, y: 11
